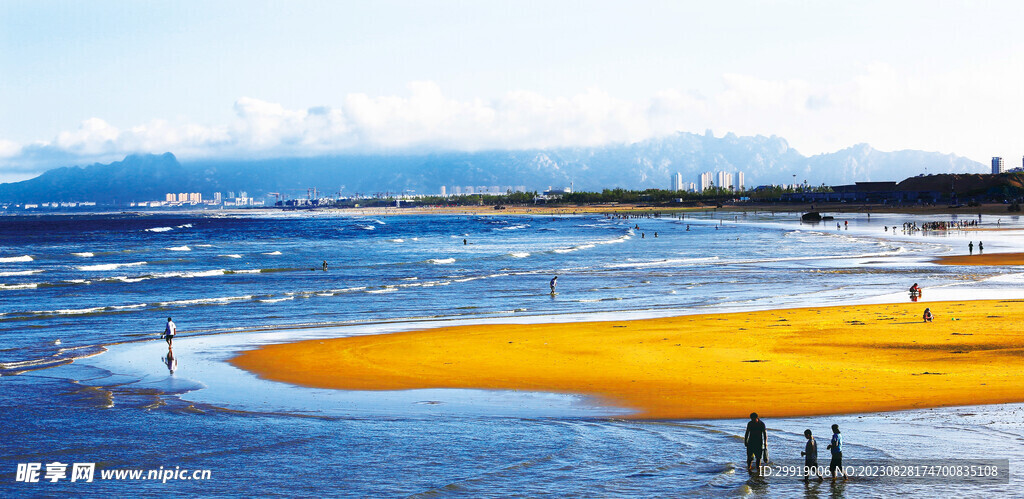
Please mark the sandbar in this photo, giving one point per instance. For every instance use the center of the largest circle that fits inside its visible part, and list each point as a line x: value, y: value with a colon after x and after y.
x: 983, y: 259
x: 780, y: 363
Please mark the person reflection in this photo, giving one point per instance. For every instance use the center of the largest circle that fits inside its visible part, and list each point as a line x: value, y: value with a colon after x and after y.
x: 170, y: 361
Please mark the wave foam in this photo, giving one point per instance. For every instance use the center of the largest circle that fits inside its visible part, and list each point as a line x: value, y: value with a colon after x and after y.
x: 160, y: 229
x: 230, y: 256
x: 85, y: 254
x: 273, y: 253
x: 179, y: 248
x: 23, y: 258
x: 441, y: 261
x: 109, y: 266
x: 19, y: 272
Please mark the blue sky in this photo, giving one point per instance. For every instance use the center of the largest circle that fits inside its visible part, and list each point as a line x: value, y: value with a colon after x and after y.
x: 93, y: 81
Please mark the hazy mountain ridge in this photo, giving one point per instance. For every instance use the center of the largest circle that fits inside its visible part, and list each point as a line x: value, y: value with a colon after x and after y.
x: 646, y: 164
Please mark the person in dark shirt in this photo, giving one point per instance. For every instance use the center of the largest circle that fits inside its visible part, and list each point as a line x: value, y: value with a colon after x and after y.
x: 810, y: 454
x: 755, y: 439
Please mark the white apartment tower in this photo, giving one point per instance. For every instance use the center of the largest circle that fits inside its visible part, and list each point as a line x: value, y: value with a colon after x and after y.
x: 677, y: 181
x: 704, y: 182
x: 725, y: 180
x: 444, y: 191
x: 741, y: 181
x: 997, y: 165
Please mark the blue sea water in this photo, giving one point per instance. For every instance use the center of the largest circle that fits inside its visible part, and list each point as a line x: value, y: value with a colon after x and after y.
x: 83, y: 299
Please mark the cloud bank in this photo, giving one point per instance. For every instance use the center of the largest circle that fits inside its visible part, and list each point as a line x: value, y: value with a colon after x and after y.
x: 884, y: 106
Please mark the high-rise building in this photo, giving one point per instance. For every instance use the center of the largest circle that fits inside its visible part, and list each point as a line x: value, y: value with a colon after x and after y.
x: 725, y: 180
x: 677, y: 181
x: 704, y: 182
x: 170, y: 198
x: 217, y: 198
x: 195, y: 197
x: 444, y: 191
x: 997, y: 165
x: 741, y: 181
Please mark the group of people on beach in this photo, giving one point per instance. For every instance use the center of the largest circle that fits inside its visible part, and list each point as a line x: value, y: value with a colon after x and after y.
x: 756, y: 441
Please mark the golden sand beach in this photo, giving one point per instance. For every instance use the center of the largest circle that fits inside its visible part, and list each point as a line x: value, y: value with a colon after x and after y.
x: 793, y: 362
x: 983, y: 259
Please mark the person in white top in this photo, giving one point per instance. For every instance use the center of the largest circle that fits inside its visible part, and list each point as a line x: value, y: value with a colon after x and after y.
x: 170, y: 331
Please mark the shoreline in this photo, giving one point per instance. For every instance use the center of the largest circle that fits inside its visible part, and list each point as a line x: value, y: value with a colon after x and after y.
x: 802, y: 362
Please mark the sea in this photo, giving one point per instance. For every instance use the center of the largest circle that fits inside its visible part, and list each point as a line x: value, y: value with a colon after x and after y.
x: 85, y: 378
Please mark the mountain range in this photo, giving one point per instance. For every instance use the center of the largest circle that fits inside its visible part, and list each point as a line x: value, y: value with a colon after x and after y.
x: 641, y: 165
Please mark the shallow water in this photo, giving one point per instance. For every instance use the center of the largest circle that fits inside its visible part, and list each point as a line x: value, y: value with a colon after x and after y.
x: 104, y: 285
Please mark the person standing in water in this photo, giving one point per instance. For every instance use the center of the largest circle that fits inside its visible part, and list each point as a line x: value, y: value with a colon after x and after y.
x: 810, y: 454
x: 835, y: 466
x: 553, y: 283
x: 970, y: 248
x: 169, y: 331
x: 755, y: 439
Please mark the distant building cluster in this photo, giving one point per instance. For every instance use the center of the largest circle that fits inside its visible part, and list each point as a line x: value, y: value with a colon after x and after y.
x: 708, y: 180
x: 469, y: 190
x: 172, y: 199
x: 999, y: 167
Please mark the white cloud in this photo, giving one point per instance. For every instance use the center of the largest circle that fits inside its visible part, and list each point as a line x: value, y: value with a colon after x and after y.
x: 971, y: 111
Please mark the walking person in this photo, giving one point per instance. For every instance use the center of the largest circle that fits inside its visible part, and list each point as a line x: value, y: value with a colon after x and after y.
x: 553, y: 283
x: 970, y: 248
x: 835, y: 466
x: 169, y: 332
x: 755, y: 439
x: 810, y: 454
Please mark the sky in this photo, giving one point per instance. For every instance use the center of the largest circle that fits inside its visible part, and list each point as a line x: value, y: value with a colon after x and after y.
x: 93, y: 81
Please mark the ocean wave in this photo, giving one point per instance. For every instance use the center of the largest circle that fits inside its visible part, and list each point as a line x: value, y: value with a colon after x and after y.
x: 230, y: 256
x: 385, y: 289
x: 397, y: 240
x: 186, y: 226
x: 23, y: 258
x: 204, y: 246
x: 244, y: 271
x: 519, y: 254
x: 85, y: 254
x: 273, y: 253
x: 60, y: 357
x: 89, y: 310
x: 275, y: 300
x: 514, y: 227
x: 19, y: 272
x: 367, y: 227
x: 26, y: 285
x: 662, y: 263
x: 204, y: 301
x: 441, y: 261
x: 160, y: 229
x: 179, y: 248
x: 109, y: 266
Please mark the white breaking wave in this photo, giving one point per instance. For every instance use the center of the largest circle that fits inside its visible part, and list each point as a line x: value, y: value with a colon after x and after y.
x: 23, y: 258
x: 201, y: 301
x: 186, y: 226
x: 27, y: 285
x: 19, y: 272
x: 204, y: 245
x: 273, y: 253
x: 247, y: 271
x: 387, y: 289
x: 519, y: 254
x: 90, y: 310
x: 441, y: 261
x: 160, y: 229
x: 275, y: 300
x: 180, y: 248
x: 85, y: 254
x: 397, y: 240
x: 231, y: 256
x: 110, y: 266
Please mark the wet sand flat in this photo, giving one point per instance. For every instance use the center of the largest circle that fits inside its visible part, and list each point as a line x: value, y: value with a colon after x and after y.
x: 983, y: 259
x: 793, y: 362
